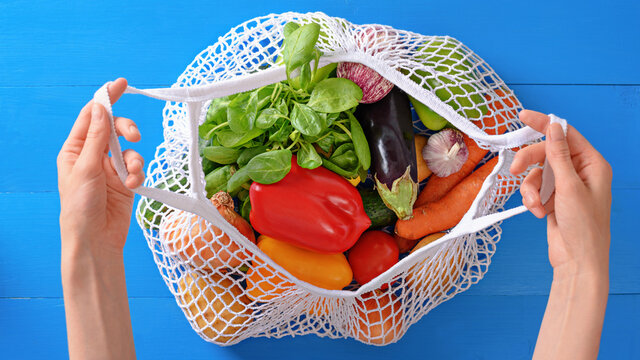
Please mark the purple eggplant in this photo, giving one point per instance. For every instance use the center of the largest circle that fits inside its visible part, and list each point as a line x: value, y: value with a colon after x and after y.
x: 388, y: 127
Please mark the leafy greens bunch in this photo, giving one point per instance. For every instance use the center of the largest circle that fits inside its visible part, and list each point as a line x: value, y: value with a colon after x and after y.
x: 252, y: 136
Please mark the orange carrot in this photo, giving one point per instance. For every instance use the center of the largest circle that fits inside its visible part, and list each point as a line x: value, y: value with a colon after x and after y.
x: 423, y: 170
x: 445, y: 213
x: 437, y: 187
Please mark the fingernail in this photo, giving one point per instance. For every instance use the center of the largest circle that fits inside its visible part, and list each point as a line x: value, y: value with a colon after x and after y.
x: 95, y: 109
x: 95, y: 113
x: 555, y: 132
x: 138, y: 163
x: 134, y: 129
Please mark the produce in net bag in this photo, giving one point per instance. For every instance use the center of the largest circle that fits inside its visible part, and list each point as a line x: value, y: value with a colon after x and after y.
x: 296, y: 191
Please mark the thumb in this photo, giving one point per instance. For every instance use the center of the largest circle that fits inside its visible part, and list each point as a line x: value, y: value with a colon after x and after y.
x: 96, y: 141
x: 559, y: 155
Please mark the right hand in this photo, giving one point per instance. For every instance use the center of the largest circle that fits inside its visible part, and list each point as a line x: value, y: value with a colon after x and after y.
x: 578, y: 214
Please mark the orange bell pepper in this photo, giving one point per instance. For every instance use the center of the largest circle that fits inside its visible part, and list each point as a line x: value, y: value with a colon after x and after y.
x: 328, y: 271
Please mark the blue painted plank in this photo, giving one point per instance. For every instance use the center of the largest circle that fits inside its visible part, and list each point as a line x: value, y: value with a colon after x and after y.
x: 37, y: 120
x: 30, y: 245
x: 608, y: 116
x: 30, y: 248
x: 151, y: 42
x: 478, y: 327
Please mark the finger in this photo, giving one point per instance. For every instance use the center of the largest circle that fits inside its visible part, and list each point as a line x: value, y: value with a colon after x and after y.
x: 559, y: 157
x: 527, y: 156
x: 113, y: 180
x: 116, y: 89
x: 78, y: 133
x: 80, y: 127
x: 72, y: 146
x: 536, y: 120
x: 127, y: 128
x: 135, y: 167
x: 92, y: 153
x: 530, y: 190
x: 540, y: 122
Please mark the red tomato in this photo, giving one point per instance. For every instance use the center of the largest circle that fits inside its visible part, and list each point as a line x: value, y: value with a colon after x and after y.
x: 374, y: 253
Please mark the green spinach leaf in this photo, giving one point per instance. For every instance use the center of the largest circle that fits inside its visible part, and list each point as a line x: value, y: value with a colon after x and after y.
x: 237, y: 179
x: 268, y: 117
x: 229, y: 138
x: 299, y: 46
x: 289, y: 28
x: 264, y: 95
x: 306, y: 121
x: 269, y: 167
x: 360, y: 144
x: 308, y: 158
x: 340, y: 138
x: 345, y: 157
x: 335, y: 95
x: 281, y: 133
x: 245, y: 210
x: 241, y: 112
x: 221, y: 155
x: 217, y: 180
x: 326, y: 143
x: 305, y: 76
x: 248, y: 154
x: 216, y: 115
x: 282, y: 107
x: 338, y: 170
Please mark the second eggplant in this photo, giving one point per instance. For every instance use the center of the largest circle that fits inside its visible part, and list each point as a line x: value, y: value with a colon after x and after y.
x: 388, y: 126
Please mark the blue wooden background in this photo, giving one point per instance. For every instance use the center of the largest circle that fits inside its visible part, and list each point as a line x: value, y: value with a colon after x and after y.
x: 577, y: 59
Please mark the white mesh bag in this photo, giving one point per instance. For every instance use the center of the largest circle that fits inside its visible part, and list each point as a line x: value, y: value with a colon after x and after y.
x: 212, y: 292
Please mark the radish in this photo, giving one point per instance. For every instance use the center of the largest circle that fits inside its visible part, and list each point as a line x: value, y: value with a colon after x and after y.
x: 374, y: 86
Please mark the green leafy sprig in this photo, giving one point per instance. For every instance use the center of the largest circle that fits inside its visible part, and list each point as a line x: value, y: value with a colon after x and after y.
x: 252, y: 136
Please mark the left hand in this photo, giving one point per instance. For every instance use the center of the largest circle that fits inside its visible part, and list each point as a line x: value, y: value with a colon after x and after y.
x: 95, y: 207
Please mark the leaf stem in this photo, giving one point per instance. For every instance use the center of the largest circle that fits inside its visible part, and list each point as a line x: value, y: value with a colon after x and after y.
x: 323, y: 136
x: 210, y: 133
x: 344, y: 128
x: 273, y: 98
x: 292, y: 145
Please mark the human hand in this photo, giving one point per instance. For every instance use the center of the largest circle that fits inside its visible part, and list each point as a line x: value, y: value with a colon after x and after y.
x: 578, y: 214
x: 95, y: 207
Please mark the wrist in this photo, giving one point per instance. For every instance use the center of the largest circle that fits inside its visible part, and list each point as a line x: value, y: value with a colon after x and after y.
x: 81, y: 261
x: 595, y: 268
x: 592, y: 277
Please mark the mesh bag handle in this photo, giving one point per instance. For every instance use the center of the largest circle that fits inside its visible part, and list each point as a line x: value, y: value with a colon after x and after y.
x: 196, y: 202
x: 469, y: 225
x: 195, y: 96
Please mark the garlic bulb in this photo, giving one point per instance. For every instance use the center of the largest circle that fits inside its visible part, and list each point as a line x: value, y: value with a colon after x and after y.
x: 445, y: 152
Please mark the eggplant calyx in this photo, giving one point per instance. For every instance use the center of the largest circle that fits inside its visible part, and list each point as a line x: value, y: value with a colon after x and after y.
x: 401, y: 196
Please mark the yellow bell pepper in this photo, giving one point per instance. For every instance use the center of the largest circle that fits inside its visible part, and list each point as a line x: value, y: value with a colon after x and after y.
x: 355, y: 181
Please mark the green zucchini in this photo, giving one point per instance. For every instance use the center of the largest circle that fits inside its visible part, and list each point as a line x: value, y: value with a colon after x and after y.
x: 376, y: 210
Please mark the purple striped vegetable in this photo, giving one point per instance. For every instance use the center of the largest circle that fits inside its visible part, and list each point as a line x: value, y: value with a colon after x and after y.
x: 374, y: 86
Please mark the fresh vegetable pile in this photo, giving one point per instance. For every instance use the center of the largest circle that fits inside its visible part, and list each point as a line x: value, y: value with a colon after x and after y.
x: 324, y: 172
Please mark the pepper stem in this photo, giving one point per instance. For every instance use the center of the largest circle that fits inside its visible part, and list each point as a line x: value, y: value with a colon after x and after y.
x: 402, y: 195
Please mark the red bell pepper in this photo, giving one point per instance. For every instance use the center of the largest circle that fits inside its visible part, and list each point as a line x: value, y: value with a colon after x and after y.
x: 315, y: 209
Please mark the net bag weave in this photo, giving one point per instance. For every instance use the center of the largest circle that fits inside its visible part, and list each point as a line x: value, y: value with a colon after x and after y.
x: 177, y: 218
